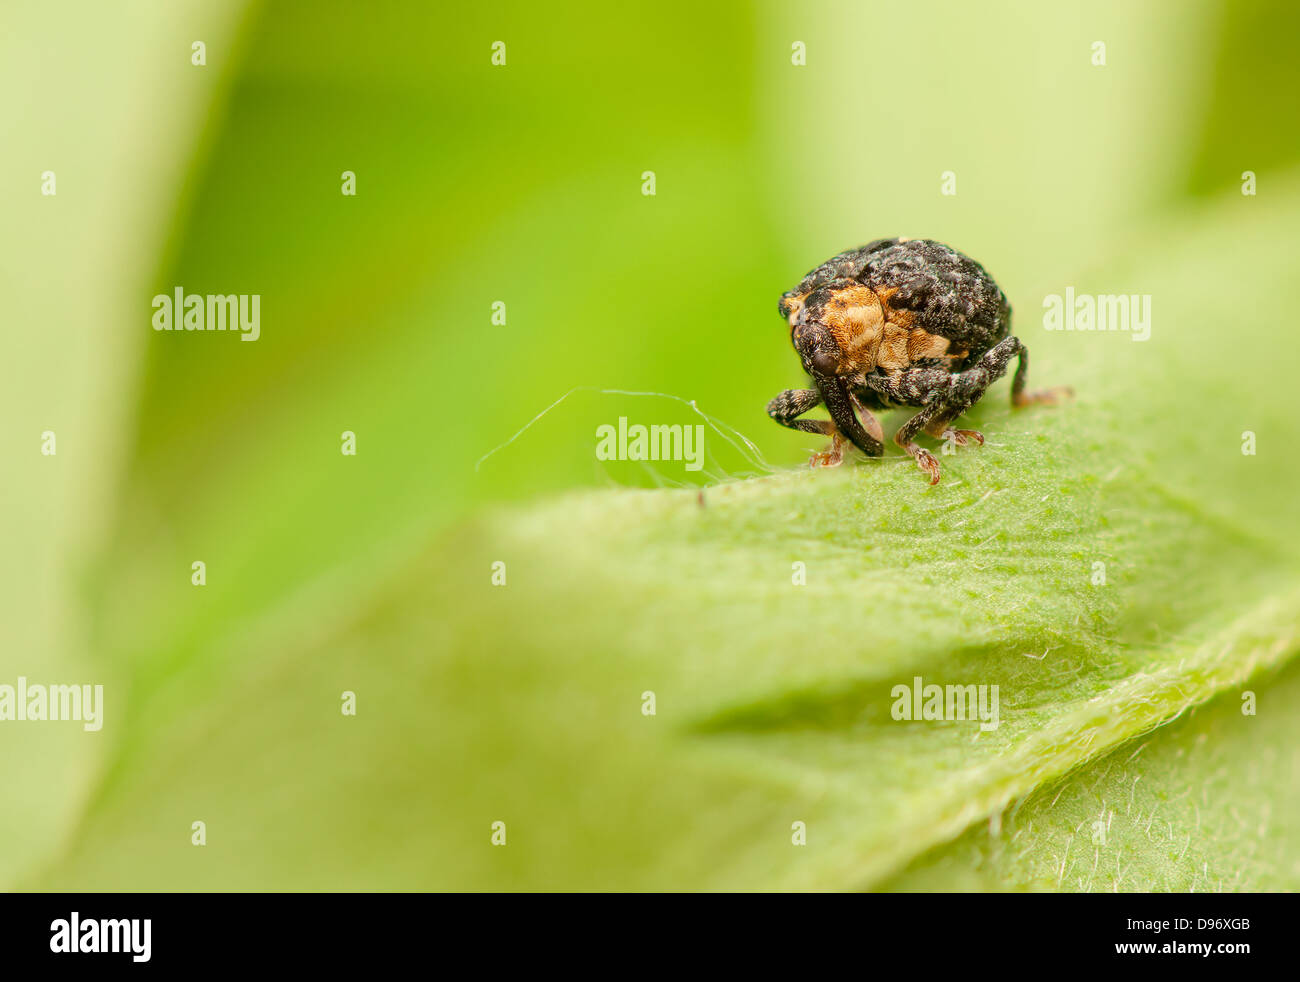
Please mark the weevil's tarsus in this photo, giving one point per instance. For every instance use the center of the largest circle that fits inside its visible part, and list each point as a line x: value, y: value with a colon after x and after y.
x: 832, y: 456
x: 960, y: 438
x: 924, y: 460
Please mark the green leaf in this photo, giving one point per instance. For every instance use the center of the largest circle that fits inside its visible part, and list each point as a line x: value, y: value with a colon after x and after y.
x: 523, y: 703
x: 1208, y: 803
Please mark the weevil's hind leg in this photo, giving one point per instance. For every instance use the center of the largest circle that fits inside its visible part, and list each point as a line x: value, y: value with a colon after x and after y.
x: 1019, y: 397
x: 963, y: 390
x: 944, y: 396
x: 794, y: 402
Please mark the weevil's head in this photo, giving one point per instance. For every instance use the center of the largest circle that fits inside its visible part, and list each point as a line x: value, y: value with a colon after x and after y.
x: 820, y: 353
x: 836, y: 329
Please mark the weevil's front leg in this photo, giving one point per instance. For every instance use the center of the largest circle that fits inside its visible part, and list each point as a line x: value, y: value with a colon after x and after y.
x: 790, y: 404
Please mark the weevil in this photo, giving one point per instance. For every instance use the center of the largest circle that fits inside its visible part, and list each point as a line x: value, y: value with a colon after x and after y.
x: 899, y: 323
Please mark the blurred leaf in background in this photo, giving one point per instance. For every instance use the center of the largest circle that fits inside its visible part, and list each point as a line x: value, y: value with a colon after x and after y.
x: 102, y: 108
x: 1240, y: 102
x: 518, y: 187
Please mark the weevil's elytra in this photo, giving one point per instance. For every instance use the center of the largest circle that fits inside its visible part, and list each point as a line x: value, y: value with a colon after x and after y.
x: 899, y: 322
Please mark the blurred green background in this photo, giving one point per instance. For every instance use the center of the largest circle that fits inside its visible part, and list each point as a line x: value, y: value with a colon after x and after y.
x: 476, y: 183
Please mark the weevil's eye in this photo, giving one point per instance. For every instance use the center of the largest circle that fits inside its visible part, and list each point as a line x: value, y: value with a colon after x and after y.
x: 823, y: 362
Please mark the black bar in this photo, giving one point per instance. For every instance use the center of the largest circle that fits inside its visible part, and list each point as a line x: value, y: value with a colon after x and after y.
x: 376, y: 931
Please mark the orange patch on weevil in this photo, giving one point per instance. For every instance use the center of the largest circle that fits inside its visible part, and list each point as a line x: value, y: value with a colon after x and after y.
x: 855, y: 316
x: 923, y: 344
x: 892, y: 355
